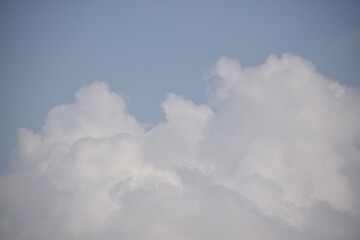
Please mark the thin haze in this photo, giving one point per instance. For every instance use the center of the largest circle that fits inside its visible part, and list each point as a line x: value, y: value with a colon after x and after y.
x: 190, y: 120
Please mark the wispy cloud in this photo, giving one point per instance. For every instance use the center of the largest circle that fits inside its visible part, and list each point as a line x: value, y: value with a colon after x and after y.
x: 352, y: 37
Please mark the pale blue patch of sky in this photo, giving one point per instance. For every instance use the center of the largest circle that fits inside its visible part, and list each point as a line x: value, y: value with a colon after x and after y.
x: 146, y: 49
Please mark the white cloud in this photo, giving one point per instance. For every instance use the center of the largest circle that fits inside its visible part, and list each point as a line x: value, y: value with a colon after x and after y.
x: 274, y: 155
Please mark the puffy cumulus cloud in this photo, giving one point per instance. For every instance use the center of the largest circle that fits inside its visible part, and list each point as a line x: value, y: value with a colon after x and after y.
x: 274, y: 155
x: 69, y: 179
x: 289, y: 137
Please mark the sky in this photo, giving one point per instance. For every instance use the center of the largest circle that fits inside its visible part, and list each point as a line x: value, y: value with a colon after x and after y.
x: 179, y: 119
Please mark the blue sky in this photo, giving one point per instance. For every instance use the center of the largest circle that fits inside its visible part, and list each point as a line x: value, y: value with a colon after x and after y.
x: 164, y: 120
x: 146, y: 49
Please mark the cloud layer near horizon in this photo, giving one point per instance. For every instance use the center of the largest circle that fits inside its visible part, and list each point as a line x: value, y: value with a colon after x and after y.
x: 274, y: 155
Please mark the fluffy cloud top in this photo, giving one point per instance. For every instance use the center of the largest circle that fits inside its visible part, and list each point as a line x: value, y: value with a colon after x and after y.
x: 273, y: 155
